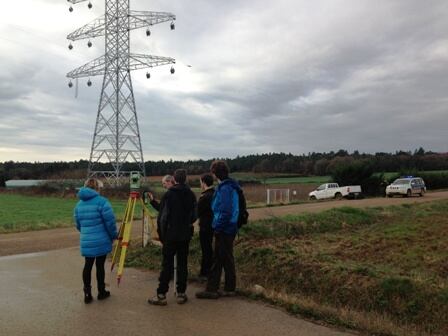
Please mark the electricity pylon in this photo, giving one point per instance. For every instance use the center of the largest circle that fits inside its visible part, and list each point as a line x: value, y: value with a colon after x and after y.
x: 116, y: 138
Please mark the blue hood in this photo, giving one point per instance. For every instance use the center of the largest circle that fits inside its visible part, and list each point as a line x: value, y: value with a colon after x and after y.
x: 230, y: 182
x: 225, y: 206
x: 85, y: 194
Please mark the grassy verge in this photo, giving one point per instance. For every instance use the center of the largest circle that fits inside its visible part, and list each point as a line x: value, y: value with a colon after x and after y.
x: 20, y: 213
x: 379, y: 270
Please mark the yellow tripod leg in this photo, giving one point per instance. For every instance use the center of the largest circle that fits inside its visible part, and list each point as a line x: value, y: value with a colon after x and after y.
x: 117, y: 248
x: 126, y: 235
x: 145, y: 224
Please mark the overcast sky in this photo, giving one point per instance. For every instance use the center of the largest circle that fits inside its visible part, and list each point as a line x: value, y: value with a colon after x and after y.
x: 266, y: 76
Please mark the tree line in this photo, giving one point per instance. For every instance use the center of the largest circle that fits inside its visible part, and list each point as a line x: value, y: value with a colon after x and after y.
x: 317, y: 164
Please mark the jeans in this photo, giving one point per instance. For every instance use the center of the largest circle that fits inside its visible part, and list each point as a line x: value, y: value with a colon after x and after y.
x: 222, y: 259
x: 206, y: 239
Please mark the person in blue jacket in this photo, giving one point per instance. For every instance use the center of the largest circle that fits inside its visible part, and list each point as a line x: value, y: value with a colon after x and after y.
x: 225, y: 207
x: 95, y: 220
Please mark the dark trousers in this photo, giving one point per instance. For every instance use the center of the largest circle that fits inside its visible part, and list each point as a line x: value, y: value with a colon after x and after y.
x: 169, y: 250
x: 206, y: 240
x: 87, y: 271
x: 222, y: 259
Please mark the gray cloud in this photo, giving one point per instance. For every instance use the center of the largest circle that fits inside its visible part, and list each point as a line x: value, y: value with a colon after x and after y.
x: 292, y: 76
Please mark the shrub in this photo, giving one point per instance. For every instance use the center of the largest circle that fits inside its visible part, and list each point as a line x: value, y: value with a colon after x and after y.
x: 359, y: 173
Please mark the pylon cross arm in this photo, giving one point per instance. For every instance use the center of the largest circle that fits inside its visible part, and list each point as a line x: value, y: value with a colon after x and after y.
x: 139, y: 61
x: 137, y: 19
x: 92, y: 68
x: 92, y: 29
x: 76, y: 1
x: 140, y: 19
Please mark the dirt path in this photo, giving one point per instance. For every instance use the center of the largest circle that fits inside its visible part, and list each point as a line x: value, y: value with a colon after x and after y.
x: 42, y: 295
x: 325, y: 205
x: 34, y: 241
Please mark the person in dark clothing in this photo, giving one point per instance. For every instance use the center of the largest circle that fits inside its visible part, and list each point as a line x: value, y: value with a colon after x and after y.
x: 205, y: 215
x: 225, y: 208
x: 175, y: 221
x: 167, y: 182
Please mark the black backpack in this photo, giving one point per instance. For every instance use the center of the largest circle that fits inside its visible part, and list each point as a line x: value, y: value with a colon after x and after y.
x: 243, y: 215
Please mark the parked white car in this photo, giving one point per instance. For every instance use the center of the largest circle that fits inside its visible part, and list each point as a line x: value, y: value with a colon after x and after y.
x: 406, y: 186
x: 333, y: 190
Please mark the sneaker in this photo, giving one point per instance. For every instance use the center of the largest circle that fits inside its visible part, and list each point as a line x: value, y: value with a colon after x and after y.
x: 103, y: 295
x: 207, y: 295
x: 227, y: 293
x: 158, y: 300
x: 181, y: 298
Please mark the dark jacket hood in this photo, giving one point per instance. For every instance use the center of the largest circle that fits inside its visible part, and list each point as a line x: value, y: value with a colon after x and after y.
x: 85, y: 194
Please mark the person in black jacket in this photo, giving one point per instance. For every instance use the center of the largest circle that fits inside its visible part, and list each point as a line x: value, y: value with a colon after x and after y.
x: 167, y: 182
x: 205, y: 215
x: 175, y: 220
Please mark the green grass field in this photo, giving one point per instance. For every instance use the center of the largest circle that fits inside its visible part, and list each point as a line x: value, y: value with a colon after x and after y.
x: 298, y: 180
x: 379, y: 270
x: 281, y: 178
x: 23, y: 213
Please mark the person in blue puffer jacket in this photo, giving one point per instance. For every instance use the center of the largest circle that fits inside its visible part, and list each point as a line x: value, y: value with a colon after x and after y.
x: 95, y: 220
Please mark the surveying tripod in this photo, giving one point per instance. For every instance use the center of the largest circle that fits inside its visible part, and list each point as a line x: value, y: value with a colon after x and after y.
x: 124, y: 233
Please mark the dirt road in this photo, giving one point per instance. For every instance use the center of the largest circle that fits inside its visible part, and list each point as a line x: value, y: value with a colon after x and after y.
x: 27, y: 242
x: 325, y: 205
x: 42, y: 295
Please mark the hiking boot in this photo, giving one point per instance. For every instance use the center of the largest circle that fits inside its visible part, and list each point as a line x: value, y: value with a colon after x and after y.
x: 102, y: 295
x: 202, y: 278
x: 207, y: 295
x: 181, y: 298
x: 88, y: 295
x: 227, y: 293
x: 158, y: 300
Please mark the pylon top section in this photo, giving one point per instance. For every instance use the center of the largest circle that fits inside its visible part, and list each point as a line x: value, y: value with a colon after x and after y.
x: 116, y: 139
x: 116, y: 24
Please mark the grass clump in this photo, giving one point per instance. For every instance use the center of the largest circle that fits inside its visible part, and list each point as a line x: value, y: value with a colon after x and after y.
x: 344, y: 218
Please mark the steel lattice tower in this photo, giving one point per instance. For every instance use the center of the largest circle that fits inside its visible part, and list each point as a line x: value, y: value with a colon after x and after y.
x: 116, y: 138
